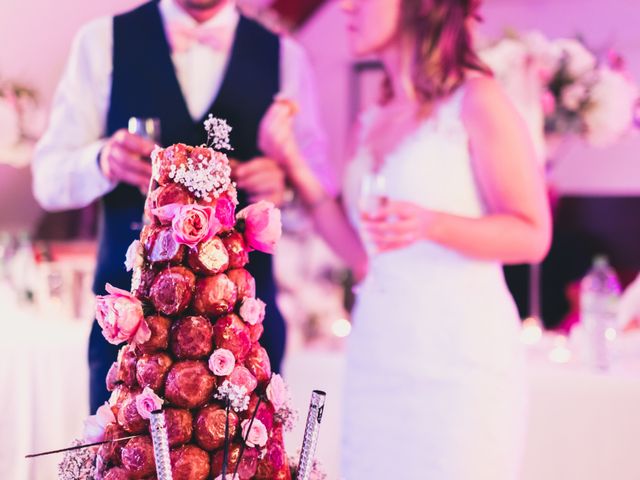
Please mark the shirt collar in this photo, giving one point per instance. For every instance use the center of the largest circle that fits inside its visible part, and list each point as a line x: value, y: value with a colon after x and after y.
x: 172, y: 12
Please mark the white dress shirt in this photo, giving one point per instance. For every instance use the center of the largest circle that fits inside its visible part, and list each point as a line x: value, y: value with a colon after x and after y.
x: 65, y: 169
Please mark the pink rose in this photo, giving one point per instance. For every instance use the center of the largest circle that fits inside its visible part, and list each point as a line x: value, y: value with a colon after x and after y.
x: 95, y: 425
x: 148, y: 402
x: 222, y: 362
x: 252, y: 310
x: 228, y: 476
x: 134, y: 256
x: 263, y: 227
x: 242, y: 377
x: 193, y: 224
x: 121, y: 318
x: 257, y: 436
x: 277, y: 392
x: 226, y: 212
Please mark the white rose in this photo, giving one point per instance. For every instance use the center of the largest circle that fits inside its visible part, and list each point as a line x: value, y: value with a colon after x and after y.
x: 613, y: 99
x: 580, y: 61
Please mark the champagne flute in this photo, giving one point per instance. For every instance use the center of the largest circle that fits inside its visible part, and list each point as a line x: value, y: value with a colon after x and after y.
x: 373, y: 193
x: 373, y: 196
x: 146, y: 127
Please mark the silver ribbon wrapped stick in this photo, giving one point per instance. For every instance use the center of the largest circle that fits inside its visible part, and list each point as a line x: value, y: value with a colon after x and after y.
x: 160, y: 445
x: 311, y: 431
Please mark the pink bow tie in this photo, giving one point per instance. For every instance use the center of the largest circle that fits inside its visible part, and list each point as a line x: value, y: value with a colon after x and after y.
x: 182, y: 37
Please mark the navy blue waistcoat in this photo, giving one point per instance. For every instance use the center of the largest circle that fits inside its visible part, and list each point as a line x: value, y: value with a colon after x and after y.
x: 145, y: 85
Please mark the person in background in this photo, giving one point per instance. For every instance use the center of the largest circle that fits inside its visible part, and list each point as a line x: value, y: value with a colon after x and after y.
x: 444, y: 188
x: 179, y: 61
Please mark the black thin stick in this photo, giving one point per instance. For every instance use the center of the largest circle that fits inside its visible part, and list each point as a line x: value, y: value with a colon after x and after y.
x: 244, y: 443
x: 225, y: 454
x: 79, y: 447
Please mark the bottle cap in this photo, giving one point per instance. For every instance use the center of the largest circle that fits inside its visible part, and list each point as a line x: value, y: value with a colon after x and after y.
x: 600, y: 261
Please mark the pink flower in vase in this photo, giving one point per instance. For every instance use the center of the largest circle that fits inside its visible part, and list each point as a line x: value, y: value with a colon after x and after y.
x: 263, y: 226
x: 277, y: 392
x: 193, y: 224
x: 121, y: 317
x: 222, y: 362
x: 95, y: 425
x: 148, y: 402
x: 548, y: 103
x: 252, y: 310
x: 257, y: 436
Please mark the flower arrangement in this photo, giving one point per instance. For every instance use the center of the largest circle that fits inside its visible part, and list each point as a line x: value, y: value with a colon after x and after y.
x: 578, y: 91
x: 22, y: 120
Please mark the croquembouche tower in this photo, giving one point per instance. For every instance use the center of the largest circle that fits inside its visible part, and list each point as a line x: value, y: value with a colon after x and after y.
x: 190, y: 329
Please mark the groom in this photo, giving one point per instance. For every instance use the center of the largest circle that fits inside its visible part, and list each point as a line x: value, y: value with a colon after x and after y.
x: 176, y: 60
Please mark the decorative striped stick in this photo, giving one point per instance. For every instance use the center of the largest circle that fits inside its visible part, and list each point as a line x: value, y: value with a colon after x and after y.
x: 311, y: 431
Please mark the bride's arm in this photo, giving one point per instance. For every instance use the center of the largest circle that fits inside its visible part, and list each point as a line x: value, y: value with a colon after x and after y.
x: 328, y: 215
x: 517, y: 227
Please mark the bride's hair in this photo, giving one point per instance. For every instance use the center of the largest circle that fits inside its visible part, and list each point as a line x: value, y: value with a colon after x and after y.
x: 439, y: 32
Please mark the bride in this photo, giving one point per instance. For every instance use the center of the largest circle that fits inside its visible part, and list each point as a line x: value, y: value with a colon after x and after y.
x: 434, y: 373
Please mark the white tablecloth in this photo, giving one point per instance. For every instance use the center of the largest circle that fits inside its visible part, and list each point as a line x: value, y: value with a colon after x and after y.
x: 583, y: 425
x: 44, y: 381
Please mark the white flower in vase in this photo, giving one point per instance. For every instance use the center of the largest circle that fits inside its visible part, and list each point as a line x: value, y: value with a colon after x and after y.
x: 578, y: 60
x: 610, y: 113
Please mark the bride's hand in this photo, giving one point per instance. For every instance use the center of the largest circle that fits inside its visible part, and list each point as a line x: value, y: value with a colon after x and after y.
x: 276, y: 138
x: 397, y: 224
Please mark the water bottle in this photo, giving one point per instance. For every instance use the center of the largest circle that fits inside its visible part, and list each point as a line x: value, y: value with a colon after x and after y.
x: 599, y: 295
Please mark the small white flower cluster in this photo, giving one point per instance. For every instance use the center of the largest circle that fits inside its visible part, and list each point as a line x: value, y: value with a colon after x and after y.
x: 78, y: 464
x: 204, y: 177
x: 218, y: 133
x: 237, y: 396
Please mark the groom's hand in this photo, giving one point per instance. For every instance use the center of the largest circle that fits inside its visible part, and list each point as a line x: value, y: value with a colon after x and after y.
x: 262, y: 178
x: 125, y: 158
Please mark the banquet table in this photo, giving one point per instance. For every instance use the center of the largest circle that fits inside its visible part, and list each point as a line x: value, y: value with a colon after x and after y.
x: 44, y: 380
x: 583, y: 424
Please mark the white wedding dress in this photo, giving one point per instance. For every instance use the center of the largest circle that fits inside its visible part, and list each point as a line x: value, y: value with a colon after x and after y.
x: 434, y: 386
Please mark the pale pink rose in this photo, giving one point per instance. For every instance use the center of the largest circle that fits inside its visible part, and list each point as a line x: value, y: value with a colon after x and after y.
x: 228, y: 476
x: 222, y: 362
x: 193, y: 224
x: 134, y: 257
x: 573, y: 96
x: 258, y: 435
x: 277, y: 392
x: 548, y: 103
x: 252, y: 310
x: 121, y: 317
x: 242, y: 377
x: 95, y: 425
x: 263, y: 227
x: 226, y: 212
x: 148, y: 402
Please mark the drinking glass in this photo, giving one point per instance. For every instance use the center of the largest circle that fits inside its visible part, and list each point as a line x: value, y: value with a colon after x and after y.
x: 145, y: 127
